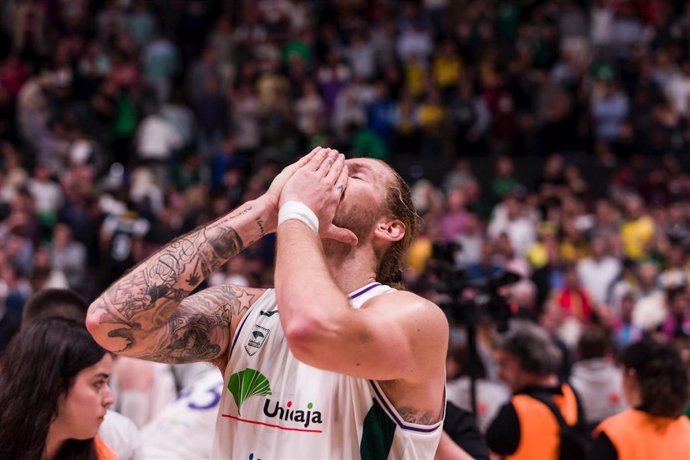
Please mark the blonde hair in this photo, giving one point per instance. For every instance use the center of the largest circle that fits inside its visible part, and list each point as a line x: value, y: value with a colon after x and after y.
x: 398, y: 202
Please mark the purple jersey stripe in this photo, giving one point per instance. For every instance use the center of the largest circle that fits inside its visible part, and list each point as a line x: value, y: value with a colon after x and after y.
x: 394, y: 415
x: 364, y: 290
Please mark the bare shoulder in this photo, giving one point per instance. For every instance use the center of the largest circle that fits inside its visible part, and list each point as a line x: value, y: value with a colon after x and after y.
x: 408, y: 304
x: 418, y: 397
x: 420, y: 320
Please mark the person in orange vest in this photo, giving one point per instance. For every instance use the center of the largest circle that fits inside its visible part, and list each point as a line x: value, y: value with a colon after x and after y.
x: 655, y: 382
x: 54, y: 393
x: 525, y: 427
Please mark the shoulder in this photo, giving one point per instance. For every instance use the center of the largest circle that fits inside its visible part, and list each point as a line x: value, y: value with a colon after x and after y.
x: 408, y: 301
x: 103, y: 451
x: 621, y: 418
x: 424, y: 314
x: 623, y: 426
x: 120, y: 434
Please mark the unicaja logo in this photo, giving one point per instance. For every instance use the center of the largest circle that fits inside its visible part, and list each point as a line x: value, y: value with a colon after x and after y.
x: 306, y: 417
x: 248, y: 383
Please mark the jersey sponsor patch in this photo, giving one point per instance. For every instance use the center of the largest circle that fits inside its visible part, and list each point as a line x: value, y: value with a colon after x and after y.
x: 256, y: 340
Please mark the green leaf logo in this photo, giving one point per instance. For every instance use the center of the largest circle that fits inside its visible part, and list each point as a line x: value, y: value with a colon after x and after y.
x: 247, y: 383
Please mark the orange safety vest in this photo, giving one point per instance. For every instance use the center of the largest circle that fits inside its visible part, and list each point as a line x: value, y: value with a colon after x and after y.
x: 637, y: 435
x: 103, y: 450
x: 539, y: 429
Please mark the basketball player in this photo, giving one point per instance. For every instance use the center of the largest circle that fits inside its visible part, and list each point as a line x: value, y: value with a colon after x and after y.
x: 332, y: 363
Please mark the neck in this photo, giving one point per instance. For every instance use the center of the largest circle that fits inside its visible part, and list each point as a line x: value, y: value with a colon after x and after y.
x: 533, y: 380
x: 54, y: 442
x: 351, y: 267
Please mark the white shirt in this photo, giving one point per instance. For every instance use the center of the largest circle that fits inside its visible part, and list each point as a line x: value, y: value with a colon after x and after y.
x: 678, y: 92
x: 596, y: 277
x: 122, y: 435
x: 156, y: 138
x: 490, y: 397
x: 183, y: 430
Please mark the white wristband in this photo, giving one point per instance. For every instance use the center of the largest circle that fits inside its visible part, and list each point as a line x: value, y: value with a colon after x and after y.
x: 298, y: 211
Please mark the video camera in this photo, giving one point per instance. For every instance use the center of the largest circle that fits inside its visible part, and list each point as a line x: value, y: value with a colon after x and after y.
x: 471, y: 301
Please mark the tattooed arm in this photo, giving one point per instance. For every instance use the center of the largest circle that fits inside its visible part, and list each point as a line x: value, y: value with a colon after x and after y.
x: 147, y: 314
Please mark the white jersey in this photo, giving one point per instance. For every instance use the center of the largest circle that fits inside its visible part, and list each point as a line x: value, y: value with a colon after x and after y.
x: 184, y: 429
x: 276, y: 407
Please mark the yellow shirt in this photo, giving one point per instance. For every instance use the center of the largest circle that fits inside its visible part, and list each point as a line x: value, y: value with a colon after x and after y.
x: 416, y: 78
x: 447, y: 70
x: 635, y: 235
x: 419, y: 253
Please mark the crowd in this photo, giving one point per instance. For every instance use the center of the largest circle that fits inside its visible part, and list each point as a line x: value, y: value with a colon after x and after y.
x: 547, y: 138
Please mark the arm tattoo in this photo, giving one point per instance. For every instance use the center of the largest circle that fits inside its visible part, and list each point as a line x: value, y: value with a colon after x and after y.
x: 194, y: 331
x: 412, y: 415
x: 152, y: 297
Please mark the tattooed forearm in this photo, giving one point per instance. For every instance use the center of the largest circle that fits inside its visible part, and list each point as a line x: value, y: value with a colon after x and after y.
x: 174, y: 273
x: 151, y: 297
x: 227, y: 244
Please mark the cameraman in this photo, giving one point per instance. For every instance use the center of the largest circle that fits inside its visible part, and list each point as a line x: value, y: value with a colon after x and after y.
x: 525, y: 427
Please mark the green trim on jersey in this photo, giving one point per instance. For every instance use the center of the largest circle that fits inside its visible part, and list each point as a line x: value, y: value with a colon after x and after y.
x: 378, y: 431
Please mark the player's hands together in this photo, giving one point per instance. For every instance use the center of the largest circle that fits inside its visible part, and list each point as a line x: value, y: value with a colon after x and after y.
x: 272, y: 195
x: 320, y: 184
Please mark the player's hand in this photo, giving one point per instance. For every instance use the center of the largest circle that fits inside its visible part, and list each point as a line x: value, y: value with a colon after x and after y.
x: 272, y: 195
x: 320, y: 184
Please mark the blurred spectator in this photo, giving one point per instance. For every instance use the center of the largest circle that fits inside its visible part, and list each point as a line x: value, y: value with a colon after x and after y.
x: 525, y: 427
x: 625, y: 331
x: 160, y: 64
x: 490, y: 395
x: 573, y: 298
x: 637, y: 230
x: 656, y: 387
x: 68, y: 256
x: 121, y: 241
x: 650, y: 305
x: 485, y: 266
x: 596, y: 378
x: 197, y: 405
x: 157, y: 141
x: 598, y: 271
x: 117, y: 431
x: 69, y: 412
x: 454, y: 219
x: 678, y: 320
x: 511, y: 217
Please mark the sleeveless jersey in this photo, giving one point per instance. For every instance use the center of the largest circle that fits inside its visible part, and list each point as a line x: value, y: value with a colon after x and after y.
x: 276, y: 407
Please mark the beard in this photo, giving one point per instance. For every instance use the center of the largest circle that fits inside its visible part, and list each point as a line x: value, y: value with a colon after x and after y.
x: 359, y: 219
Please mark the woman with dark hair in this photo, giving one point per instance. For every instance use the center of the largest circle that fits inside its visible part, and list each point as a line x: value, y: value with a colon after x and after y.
x: 655, y: 383
x: 54, y: 393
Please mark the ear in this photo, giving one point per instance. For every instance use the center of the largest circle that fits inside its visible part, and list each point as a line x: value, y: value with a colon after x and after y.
x: 390, y: 230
